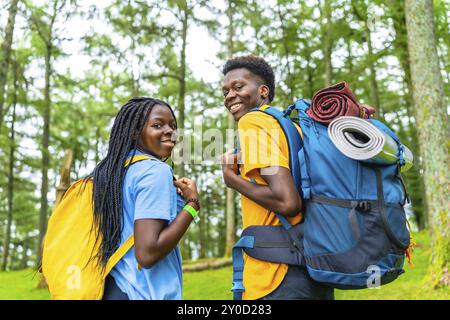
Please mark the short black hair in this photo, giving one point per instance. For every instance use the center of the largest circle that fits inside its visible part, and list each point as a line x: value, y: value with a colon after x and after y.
x: 255, y: 65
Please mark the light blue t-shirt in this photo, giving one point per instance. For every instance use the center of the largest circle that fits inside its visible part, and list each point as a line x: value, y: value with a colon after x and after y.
x: 148, y: 192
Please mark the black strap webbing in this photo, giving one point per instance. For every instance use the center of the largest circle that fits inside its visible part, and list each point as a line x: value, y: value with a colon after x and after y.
x: 273, y: 244
x: 363, y: 205
x: 382, y: 206
x: 360, y: 204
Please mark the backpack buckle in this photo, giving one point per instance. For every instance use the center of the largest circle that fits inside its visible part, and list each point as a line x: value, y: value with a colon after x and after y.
x: 238, y: 286
x: 287, y: 112
x: 364, y: 206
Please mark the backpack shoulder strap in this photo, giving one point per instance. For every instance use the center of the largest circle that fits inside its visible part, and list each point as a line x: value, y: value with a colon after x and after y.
x: 294, y: 141
x: 295, y: 144
x: 123, y: 249
x: 120, y: 252
x: 137, y: 158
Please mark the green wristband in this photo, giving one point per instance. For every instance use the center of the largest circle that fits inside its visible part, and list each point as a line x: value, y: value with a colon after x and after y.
x: 192, y: 212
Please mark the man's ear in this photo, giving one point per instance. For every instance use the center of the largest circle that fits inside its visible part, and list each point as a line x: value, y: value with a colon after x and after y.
x: 264, y: 91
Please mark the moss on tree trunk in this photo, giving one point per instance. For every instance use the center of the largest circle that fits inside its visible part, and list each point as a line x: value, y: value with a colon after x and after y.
x: 433, y: 130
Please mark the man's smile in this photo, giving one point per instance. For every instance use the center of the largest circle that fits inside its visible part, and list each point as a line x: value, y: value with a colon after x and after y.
x: 235, y: 107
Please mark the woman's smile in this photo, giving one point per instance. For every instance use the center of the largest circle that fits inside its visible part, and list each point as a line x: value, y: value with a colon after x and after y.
x: 158, y: 136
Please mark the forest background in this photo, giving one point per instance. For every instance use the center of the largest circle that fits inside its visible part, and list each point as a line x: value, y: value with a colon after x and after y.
x: 66, y: 67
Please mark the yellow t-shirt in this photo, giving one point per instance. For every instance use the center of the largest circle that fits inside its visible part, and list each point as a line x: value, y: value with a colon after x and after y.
x: 263, y: 144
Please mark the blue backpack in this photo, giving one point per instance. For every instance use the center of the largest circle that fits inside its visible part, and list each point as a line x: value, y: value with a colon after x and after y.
x: 354, y: 234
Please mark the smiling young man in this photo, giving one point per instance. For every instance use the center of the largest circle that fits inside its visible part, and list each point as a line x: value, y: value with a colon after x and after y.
x: 265, y: 181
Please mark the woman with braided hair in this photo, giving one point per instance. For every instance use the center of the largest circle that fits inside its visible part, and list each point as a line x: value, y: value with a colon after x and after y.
x: 142, y: 199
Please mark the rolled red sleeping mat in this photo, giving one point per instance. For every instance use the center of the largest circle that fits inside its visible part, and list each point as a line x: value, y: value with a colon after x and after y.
x: 335, y: 101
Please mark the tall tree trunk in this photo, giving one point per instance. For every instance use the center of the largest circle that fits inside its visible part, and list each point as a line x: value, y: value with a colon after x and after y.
x: 208, y: 243
x: 184, y: 245
x: 182, y: 81
x: 24, y: 260
x: 433, y: 129
x: 43, y: 215
x: 309, y: 72
x: 287, y: 54
x: 45, y: 32
x: 361, y: 12
x: 373, y: 75
x: 419, y: 204
x: 230, y: 194
x: 12, y: 149
x: 135, y: 79
x: 6, y: 53
x: 349, y: 59
x: 202, y: 235
x: 221, y: 243
x: 326, y: 27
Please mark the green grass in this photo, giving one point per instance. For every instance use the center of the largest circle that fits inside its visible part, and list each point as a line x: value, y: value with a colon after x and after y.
x: 21, y: 285
x: 208, y: 285
x: 216, y: 284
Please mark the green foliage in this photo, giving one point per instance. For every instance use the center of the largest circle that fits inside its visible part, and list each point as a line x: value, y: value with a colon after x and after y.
x: 138, y: 52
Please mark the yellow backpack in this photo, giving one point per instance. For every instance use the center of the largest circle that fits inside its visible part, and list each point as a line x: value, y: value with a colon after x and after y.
x: 70, y: 242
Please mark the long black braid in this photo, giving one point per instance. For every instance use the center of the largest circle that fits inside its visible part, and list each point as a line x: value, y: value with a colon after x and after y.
x: 109, y: 173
